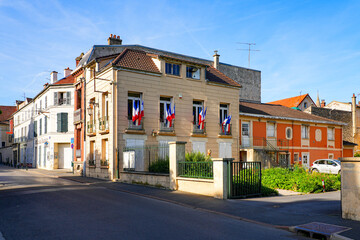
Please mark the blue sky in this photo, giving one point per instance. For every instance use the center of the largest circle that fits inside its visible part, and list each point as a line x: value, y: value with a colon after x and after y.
x: 306, y: 46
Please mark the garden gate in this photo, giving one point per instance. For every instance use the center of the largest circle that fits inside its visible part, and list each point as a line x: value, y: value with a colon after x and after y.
x: 244, y: 179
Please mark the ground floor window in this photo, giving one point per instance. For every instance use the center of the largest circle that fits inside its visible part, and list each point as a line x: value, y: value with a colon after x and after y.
x: 225, y: 150
x: 199, y: 147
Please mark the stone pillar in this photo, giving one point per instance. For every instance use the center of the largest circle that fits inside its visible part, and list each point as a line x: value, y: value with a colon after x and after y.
x: 221, y: 178
x: 176, y: 154
x: 350, y: 188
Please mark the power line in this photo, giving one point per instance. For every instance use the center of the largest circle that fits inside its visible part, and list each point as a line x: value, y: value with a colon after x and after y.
x: 250, y: 50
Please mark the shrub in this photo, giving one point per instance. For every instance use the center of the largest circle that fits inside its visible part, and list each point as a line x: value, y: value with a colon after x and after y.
x: 196, y: 157
x: 357, y: 154
x: 299, y: 180
x: 160, y: 166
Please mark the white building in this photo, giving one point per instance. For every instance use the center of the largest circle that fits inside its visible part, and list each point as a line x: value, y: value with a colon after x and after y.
x: 44, y: 127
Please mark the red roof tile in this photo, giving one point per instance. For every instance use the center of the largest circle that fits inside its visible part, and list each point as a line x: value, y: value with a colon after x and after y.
x: 291, y: 102
x: 67, y: 80
x: 214, y: 75
x: 7, y: 111
x: 135, y: 59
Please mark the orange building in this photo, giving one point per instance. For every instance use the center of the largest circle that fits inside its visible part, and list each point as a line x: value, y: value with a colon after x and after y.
x: 281, y: 136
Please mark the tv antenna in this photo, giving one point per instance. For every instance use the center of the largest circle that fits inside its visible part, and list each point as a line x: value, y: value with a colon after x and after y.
x: 249, y: 49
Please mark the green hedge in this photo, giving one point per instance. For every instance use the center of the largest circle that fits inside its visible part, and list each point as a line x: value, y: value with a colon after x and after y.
x: 160, y: 166
x: 299, y: 180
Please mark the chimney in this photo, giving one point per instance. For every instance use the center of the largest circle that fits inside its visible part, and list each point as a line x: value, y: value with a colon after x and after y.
x: 216, y: 59
x: 114, y: 40
x: 323, y: 104
x: 78, y: 59
x: 67, y: 72
x: 353, y: 111
x: 53, y: 77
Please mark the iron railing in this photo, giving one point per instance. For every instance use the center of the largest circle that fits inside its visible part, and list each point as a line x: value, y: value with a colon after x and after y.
x: 92, y: 162
x: 196, y: 169
x: 196, y: 128
x: 224, y: 130
x: 104, y: 123
x: 104, y: 163
x: 136, y: 125
x: 164, y: 127
x: 245, y: 179
x: 271, y: 144
x: 91, y: 129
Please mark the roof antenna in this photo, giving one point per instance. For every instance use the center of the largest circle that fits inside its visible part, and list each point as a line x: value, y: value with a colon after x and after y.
x: 250, y: 50
x: 24, y: 97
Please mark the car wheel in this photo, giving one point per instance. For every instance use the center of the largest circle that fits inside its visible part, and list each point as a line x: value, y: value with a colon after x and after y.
x: 315, y: 170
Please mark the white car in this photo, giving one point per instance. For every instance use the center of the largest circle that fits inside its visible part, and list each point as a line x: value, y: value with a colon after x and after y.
x: 326, y: 166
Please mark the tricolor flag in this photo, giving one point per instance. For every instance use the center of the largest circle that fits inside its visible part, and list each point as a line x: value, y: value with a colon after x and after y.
x: 226, y: 125
x: 202, y: 116
x: 169, y: 115
x: 141, y: 114
x: 135, y: 112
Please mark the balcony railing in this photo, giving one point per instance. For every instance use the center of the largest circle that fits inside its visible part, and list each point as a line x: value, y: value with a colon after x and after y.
x: 197, y: 130
x: 63, y: 101
x: 104, y: 123
x: 91, y: 127
x: 164, y: 127
x: 225, y: 130
x: 92, y: 162
x: 136, y: 126
x: 77, y: 115
x: 271, y: 144
x: 104, y: 163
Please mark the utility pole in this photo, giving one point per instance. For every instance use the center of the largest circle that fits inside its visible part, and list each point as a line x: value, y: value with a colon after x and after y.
x: 250, y: 50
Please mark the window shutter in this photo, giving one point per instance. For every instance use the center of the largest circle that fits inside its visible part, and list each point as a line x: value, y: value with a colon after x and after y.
x: 64, y: 122
x: 68, y: 98
x: 35, y: 128
x: 40, y: 123
x: 45, y: 125
x: 55, y: 98
x: 59, y: 122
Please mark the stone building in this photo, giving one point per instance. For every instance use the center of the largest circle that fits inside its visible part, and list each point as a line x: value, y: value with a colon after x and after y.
x: 5, y: 134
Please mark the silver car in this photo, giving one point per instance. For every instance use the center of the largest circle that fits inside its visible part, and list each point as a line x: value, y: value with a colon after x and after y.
x: 326, y: 166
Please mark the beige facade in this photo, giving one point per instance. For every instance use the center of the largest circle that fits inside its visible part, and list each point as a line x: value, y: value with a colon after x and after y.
x: 115, y: 84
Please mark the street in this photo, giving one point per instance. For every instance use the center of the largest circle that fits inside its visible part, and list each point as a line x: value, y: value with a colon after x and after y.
x: 35, y: 206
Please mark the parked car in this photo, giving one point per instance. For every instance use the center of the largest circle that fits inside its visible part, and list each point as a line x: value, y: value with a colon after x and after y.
x: 326, y: 166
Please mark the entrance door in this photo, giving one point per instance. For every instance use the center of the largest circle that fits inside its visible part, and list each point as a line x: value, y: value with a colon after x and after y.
x: 64, y: 154
x: 245, y: 134
x: 305, y: 160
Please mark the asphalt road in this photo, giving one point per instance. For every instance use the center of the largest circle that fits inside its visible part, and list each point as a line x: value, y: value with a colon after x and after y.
x: 34, y: 206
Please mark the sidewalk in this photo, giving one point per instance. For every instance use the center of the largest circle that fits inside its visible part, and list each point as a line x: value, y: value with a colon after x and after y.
x: 279, y: 212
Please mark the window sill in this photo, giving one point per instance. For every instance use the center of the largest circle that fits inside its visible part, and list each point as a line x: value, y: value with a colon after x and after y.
x: 132, y: 131
x: 173, y: 76
x: 104, y: 132
x: 91, y: 134
x: 224, y: 136
x: 104, y: 167
x: 92, y: 166
x: 204, y: 135
x: 166, y: 133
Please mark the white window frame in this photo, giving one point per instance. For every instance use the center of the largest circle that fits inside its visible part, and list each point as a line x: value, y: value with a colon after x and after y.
x: 268, y: 133
x: 305, y: 131
x: 166, y: 103
x: 224, y: 111
x: 198, y: 107
x: 331, y: 133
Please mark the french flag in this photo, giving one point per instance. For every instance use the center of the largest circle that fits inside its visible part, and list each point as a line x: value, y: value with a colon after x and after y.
x: 226, y: 125
x: 169, y: 116
x: 135, y: 113
x: 141, y: 114
x: 202, y: 116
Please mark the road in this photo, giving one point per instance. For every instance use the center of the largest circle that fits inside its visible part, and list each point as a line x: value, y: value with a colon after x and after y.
x: 35, y: 206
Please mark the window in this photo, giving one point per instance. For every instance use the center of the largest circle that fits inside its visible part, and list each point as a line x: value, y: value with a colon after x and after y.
x: 197, y: 107
x: 133, y: 97
x: 105, y: 105
x: 35, y: 128
x: 192, y: 72
x: 62, y: 122
x: 62, y: 98
x: 270, y: 129
x: 40, y: 107
x: 305, y: 132
x: 78, y: 94
x: 92, y: 150
x: 296, y: 157
x: 288, y: 133
x: 104, y: 149
x: 45, y: 102
x: 45, y: 125
x: 330, y: 133
x: 40, y: 126
x: 165, y: 103
x: 305, y: 104
x: 172, y: 69
x: 3, y: 144
x: 224, y: 111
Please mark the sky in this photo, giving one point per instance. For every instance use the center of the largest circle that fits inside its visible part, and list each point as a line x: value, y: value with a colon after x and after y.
x: 305, y: 46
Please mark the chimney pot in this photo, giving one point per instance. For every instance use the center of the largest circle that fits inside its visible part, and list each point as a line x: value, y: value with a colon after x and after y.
x: 114, y: 40
x: 216, y: 59
x: 323, y: 104
x: 53, y: 77
x: 67, y: 72
x: 111, y: 35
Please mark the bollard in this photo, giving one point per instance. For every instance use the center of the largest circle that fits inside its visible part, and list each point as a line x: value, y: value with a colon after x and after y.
x: 323, y: 183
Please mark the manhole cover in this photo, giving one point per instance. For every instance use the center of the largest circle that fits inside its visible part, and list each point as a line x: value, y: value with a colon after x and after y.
x: 321, y: 228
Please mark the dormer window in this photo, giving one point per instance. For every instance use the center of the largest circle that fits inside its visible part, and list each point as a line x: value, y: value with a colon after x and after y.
x: 172, y: 69
x: 192, y: 72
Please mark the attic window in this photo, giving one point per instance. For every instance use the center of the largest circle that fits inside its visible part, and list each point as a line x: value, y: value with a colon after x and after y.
x: 172, y: 69
x: 192, y: 72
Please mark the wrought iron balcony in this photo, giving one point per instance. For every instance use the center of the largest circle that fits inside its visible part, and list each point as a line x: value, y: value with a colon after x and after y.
x: 136, y: 125
x: 197, y: 130
x: 225, y: 130
x: 164, y: 126
x: 92, y: 163
x: 270, y: 144
x: 91, y: 127
x: 104, y: 123
x: 104, y: 163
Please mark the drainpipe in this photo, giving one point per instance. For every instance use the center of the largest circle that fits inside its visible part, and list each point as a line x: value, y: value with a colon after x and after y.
x: 353, y: 110
x: 115, y: 124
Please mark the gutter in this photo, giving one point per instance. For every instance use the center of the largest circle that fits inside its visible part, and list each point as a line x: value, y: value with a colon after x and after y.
x: 293, y: 119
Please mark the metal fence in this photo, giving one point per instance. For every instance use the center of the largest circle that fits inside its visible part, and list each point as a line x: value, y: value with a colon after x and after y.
x: 244, y: 179
x: 196, y: 169
x: 146, y: 158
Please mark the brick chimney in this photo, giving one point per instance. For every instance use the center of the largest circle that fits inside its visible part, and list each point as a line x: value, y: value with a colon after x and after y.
x: 323, y: 104
x: 53, y: 77
x: 67, y: 72
x: 216, y: 59
x: 78, y: 59
x: 114, y: 40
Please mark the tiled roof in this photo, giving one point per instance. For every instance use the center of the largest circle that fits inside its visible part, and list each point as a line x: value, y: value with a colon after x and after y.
x: 290, y: 102
x: 135, y: 59
x: 67, y: 80
x: 214, y: 75
x: 278, y: 111
x: 7, y: 111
